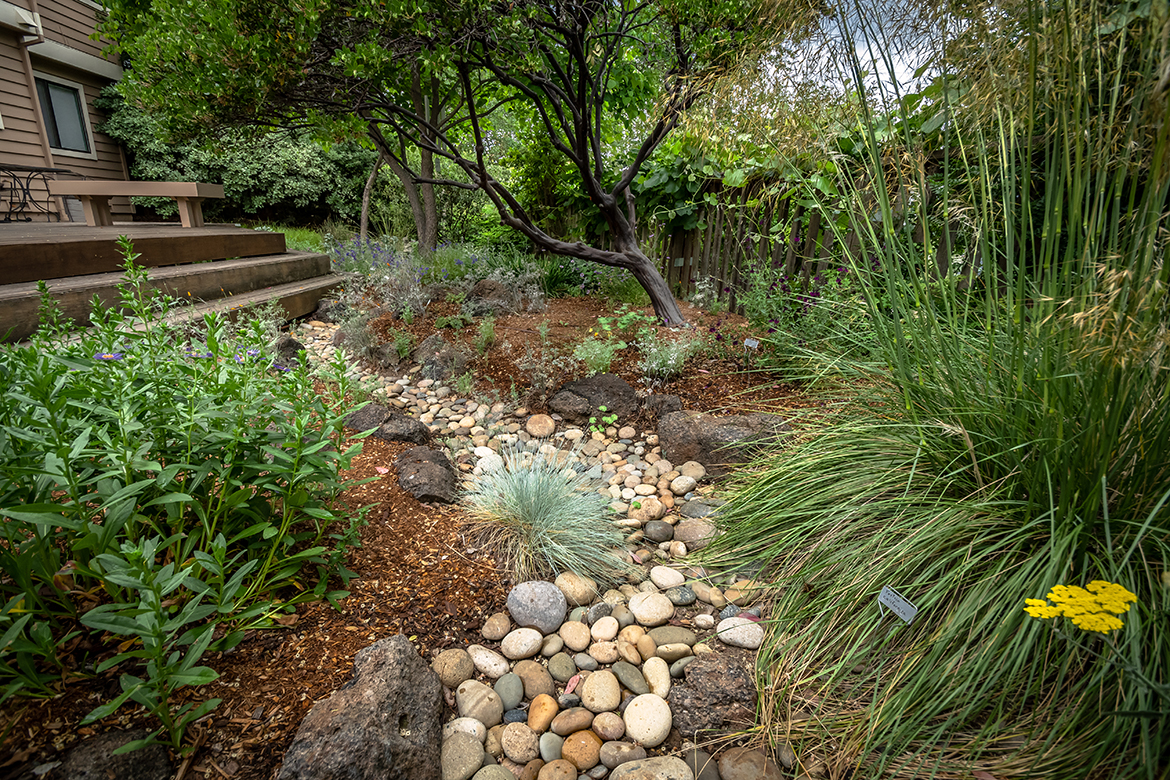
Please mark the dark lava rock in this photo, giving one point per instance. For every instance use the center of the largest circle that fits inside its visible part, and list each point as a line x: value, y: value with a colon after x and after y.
x: 93, y: 759
x: 382, y: 724
x: 369, y: 416
x: 719, y: 694
x: 581, y: 399
x: 716, y: 442
x: 400, y: 427
x: 427, y: 475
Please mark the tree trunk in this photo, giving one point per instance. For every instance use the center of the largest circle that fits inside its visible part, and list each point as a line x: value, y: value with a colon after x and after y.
x: 416, y: 207
x: 661, y: 298
x: 364, y: 227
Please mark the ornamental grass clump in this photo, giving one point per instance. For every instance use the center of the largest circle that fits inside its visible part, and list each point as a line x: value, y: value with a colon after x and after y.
x: 540, y: 515
x: 1009, y: 431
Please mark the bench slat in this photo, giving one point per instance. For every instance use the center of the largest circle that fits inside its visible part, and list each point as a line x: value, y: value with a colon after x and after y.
x: 144, y: 189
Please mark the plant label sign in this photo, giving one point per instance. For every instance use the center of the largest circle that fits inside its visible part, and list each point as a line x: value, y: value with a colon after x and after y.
x: 898, y: 605
x: 751, y: 343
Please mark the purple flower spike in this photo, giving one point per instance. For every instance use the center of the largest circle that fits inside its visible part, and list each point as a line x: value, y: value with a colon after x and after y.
x: 109, y: 356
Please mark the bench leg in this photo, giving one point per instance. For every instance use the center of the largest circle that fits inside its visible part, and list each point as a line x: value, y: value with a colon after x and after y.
x: 191, y: 211
x: 97, y: 210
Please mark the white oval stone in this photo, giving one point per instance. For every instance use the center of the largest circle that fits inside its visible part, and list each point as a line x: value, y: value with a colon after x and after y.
x: 666, y: 577
x: 521, y: 643
x: 740, y: 632
x: 601, y: 692
x: 466, y: 726
x: 647, y: 720
x: 680, y: 486
x: 605, y: 629
x: 487, y: 662
x: 657, y: 674
x: 651, y: 609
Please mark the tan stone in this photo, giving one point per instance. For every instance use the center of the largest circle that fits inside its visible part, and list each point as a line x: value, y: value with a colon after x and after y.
x: 541, y: 713
x: 558, y: 770
x: 582, y: 750
x: 647, y: 647
x: 570, y: 721
x: 575, y: 634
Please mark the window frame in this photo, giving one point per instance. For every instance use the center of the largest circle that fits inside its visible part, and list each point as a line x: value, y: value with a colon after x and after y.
x: 88, y: 125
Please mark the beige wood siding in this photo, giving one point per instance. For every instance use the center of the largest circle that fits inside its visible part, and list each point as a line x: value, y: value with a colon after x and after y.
x: 71, y: 23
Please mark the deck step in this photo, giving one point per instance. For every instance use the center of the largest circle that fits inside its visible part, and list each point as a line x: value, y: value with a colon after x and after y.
x: 292, y: 277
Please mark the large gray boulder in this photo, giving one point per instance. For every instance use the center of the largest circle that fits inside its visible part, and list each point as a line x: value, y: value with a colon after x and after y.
x: 582, y: 399
x: 382, y: 725
x: 427, y: 475
x: 716, y: 442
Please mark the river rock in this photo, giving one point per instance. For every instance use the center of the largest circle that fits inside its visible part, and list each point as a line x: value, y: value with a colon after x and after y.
x: 582, y: 749
x: 743, y: 764
x: 561, y: 667
x: 558, y: 770
x: 656, y: 672
x: 475, y: 700
x: 521, y: 643
x: 510, y: 689
x: 572, y: 720
x: 453, y: 667
x: 575, y: 634
x: 695, y: 532
x: 665, y: 577
x: 466, y: 726
x: 461, y: 757
x: 536, y: 679
x: 673, y: 635
x: 604, y: 629
x: 740, y: 632
x: 630, y: 677
x: 659, y: 768
x: 489, y: 663
x: 497, y: 627
x: 537, y: 604
x: 579, y: 591
x: 614, y: 754
x: 601, y: 692
x: 609, y: 726
x: 651, y: 609
x: 540, y: 426
x: 648, y: 720
x: 520, y: 743
x: 541, y: 712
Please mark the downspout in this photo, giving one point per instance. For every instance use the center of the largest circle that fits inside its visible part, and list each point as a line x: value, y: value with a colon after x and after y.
x: 26, y: 61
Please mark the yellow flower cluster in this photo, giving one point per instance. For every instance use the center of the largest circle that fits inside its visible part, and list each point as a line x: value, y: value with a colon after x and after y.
x: 1091, y: 608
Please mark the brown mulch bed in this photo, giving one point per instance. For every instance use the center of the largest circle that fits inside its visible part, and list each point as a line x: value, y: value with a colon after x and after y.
x: 416, y: 572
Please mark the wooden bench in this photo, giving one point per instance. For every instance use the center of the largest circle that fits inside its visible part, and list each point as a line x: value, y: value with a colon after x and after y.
x: 95, y: 197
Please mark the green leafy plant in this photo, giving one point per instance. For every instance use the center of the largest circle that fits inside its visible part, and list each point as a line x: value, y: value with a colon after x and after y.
x: 662, y: 360
x: 541, y: 515
x: 407, y: 315
x: 452, y: 321
x: 160, y: 469
x: 598, y: 424
x: 465, y: 383
x: 486, y: 336
x: 597, y: 355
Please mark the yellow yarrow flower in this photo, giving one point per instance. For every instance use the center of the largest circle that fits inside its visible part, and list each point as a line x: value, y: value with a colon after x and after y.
x: 1091, y: 608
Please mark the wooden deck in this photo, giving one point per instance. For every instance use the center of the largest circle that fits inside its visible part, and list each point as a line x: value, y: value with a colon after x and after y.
x: 33, y: 251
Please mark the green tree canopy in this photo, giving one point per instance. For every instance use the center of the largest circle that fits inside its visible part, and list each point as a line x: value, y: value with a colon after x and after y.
x: 435, y: 75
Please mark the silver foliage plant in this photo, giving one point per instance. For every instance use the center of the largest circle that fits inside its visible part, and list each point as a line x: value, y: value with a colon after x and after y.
x: 541, y: 514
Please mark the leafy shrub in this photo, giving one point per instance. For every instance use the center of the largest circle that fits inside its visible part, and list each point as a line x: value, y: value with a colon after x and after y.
x: 597, y: 355
x: 662, y: 360
x: 157, y: 479
x: 825, y: 312
x: 280, y: 175
x: 541, y: 516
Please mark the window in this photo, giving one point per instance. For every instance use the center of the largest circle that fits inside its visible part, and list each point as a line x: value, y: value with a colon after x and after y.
x: 66, y: 118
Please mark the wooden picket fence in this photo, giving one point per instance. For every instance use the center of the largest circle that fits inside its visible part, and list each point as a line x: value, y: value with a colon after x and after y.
x: 745, y: 230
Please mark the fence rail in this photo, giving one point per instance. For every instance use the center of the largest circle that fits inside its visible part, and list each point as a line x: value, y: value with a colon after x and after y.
x: 744, y: 230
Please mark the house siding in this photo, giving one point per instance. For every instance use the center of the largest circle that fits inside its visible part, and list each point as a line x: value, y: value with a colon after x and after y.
x: 69, y: 24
